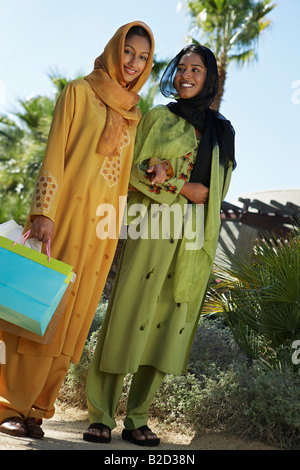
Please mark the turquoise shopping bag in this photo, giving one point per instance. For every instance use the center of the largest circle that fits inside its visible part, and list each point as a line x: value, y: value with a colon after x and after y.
x: 31, y: 286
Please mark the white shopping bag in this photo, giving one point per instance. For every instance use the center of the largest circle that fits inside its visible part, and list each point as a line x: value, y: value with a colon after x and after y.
x: 13, y: 231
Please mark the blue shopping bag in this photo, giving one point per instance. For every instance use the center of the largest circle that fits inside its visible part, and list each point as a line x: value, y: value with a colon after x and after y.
x: 31, y: 286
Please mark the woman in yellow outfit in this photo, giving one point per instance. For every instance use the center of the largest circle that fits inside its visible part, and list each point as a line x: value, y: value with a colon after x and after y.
x: 87, y: 163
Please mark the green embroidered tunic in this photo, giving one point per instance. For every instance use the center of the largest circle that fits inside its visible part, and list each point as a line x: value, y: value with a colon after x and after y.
x: 161, y: 282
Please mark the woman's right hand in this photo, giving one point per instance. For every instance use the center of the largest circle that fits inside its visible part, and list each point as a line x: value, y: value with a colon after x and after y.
x: 158, y: 173
x: 42, y: 228
x: 195, y: 192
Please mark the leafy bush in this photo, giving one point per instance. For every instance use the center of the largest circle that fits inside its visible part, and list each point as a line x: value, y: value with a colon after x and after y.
x: 256, y: 402
x: 73, y: 390
x: 260, y: 300
x: 273, y: 411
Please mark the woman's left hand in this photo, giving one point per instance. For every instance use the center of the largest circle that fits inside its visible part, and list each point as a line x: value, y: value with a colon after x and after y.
x: 195, y: 192
x: 159, y: 173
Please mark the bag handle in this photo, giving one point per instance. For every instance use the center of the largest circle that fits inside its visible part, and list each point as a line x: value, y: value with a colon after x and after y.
x: 24, y: 238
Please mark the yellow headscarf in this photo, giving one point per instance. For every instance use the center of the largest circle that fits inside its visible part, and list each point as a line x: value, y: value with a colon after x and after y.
x: 107, y: 81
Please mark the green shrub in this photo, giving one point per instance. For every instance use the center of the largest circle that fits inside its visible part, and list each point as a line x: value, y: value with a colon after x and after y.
x: 73, y: 390
x: 213, y: 345
x: 273, y: 405
x: 260, y: 298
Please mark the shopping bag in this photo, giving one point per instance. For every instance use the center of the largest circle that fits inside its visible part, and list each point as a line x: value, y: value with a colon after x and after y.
x: 52, y: 326
x: 14, y: 231
x: 32, y: 285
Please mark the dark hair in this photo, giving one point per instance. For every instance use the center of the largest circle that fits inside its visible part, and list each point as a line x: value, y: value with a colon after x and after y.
x: 211, y: 83
x: 138, y: 31
x: 193, y: 48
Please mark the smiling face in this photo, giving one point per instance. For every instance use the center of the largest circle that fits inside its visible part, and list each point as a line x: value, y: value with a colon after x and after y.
x: 136, y: 53
x: 190, y: 75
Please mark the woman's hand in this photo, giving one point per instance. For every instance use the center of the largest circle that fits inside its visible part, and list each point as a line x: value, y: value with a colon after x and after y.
x: 195, y: 192
x: 159, y: 173
x: 42, y: 228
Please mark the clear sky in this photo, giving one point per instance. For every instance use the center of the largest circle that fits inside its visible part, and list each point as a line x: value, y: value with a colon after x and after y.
x: 262, y: 100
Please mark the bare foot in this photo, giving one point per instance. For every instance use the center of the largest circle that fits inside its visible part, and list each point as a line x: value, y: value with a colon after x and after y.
x: 97, y: 432
x: 147, y: 434
x: 143, y: 436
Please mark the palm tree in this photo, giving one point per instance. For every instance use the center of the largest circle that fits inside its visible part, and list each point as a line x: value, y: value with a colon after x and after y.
x: 259, y: 296
x: 231, y: 28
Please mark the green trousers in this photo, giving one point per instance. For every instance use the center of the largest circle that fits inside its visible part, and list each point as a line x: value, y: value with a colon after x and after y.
x: 104, y: 391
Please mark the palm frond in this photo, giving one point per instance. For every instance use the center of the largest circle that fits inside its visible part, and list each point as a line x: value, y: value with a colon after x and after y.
x: 230, y: 28
x: 244, y: 57
x: 259, y: 295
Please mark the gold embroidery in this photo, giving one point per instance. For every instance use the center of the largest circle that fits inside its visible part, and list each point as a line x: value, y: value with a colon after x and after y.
x: 45, y: 190
x: 100, y: 102
x: 112, y: 165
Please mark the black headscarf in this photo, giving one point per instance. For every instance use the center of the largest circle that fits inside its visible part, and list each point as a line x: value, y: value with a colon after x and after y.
x: 214, y: 127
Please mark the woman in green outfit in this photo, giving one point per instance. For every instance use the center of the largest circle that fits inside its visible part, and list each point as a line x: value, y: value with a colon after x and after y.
x: 184, y: 156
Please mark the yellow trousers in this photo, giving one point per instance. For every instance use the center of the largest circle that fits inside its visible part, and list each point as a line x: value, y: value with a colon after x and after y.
x: 29, y: 384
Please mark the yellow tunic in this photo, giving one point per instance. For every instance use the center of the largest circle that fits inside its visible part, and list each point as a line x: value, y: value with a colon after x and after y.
x: 72, y: 183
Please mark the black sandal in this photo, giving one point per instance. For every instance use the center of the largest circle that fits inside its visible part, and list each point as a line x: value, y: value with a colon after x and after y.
x: 87, y: 436
x: 128, y: 436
